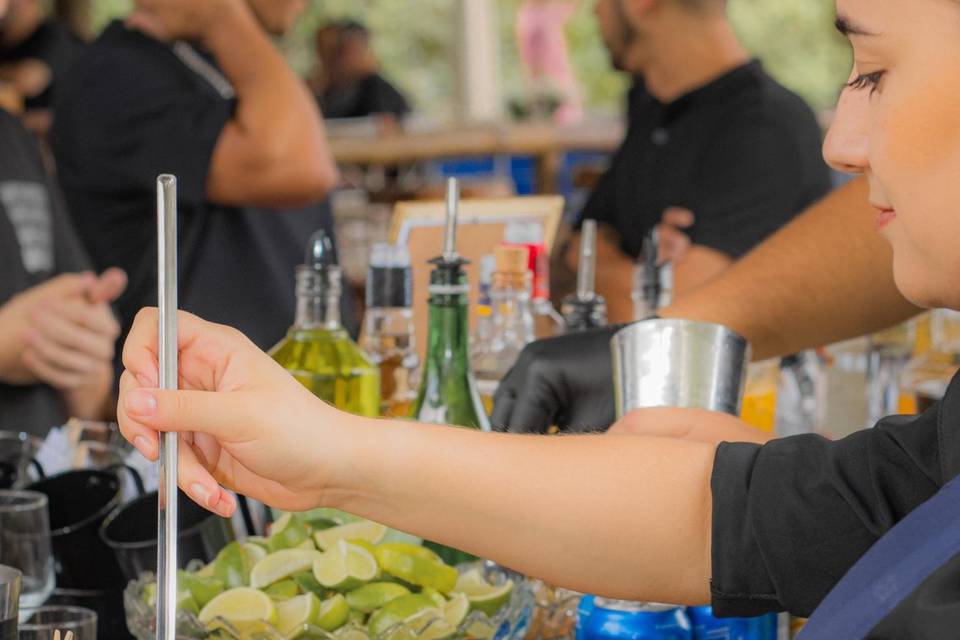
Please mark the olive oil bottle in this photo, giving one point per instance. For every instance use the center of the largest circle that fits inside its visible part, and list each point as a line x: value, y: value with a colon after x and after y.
x: 317, y: 350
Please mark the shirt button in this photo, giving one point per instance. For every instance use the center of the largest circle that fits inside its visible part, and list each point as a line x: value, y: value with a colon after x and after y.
x: 660, y: 136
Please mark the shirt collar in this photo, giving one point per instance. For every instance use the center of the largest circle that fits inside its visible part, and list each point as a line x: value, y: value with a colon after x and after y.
x: 714, y: 91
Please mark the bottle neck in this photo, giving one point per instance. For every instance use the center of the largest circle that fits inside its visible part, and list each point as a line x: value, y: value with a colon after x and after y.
x: 512, y: 310
x: 318, y: 299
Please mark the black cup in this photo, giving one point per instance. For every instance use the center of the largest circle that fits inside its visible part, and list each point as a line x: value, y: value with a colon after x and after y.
x: 79, y: 503
x: 131, y: 531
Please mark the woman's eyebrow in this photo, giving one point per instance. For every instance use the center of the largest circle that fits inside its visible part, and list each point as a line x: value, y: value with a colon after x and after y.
x: 848, y: 27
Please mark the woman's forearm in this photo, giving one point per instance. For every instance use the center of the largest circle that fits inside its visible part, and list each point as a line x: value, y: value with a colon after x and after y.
x: 622, y: 516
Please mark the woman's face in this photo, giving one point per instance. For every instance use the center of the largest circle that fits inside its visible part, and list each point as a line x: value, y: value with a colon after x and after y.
x: 898, y: 123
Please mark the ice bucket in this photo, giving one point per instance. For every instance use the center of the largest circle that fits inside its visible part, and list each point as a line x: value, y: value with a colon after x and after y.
x: 679, y: 363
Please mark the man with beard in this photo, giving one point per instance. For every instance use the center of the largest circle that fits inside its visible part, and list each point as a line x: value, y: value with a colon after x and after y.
x: 710, y: 133
x: 197, y: 89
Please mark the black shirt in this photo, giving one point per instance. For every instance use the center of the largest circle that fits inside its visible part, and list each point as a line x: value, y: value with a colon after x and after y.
x: 36, y: 243
x: 53, y: 44
x: 742, y: 153
x: 132, y: 109
x: 370, y: 96
x: 791, y: 517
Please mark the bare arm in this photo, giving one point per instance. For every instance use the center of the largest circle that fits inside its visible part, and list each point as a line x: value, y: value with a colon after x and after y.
x: 695, y: 425
x: 274, y: 151
x: 825, y: 277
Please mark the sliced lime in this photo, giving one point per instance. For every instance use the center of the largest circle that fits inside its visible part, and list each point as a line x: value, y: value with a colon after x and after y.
x: 484, y: 596
x: 254, y: 552
x: 202, y: 589
x: 295, y: 614
x: 232, y: 566
x: 400, y: 610
x: 416, y: 568
x: 260, y: 541
x: 434, y: 595
x: 455, y: 611
x: 286, y: 533
x: 333, y: 613
x: 411, y: 550
x: 283, y: 590
x: 371, y: 532
x: 371, y: 597
x: 241, y: 605
x: 345, y: 566
x: 281, y: 564
x: 309, y: 584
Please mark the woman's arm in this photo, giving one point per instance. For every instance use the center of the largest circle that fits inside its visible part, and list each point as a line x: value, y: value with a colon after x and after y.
x: 620, y: 516
x: 694, y: 425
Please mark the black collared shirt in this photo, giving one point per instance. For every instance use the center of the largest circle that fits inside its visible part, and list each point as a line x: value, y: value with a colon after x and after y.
x: 791, y: 517
x: 131, y: 109
x: 742, y: 153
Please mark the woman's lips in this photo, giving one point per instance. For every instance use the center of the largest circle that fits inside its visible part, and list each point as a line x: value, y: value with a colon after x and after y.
x: 885, y: 217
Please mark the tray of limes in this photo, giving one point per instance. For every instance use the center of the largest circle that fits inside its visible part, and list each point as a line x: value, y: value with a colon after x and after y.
x: 339, y: 583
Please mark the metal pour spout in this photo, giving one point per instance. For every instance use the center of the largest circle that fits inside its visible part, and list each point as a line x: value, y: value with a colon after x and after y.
x: 453, y: 210
x: 586, y: 275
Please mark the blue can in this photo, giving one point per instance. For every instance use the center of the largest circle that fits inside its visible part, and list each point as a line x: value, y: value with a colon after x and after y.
x: 602, y: 619
x: 707, y: 627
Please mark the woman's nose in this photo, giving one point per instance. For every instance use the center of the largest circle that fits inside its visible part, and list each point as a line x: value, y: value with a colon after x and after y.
x: 846, y: 147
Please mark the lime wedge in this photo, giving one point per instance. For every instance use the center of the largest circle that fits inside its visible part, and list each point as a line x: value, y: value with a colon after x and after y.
x: 283, y: 590
x: 254, y: 552
x: 295, y: 614
x: 371, y: 532
x: 307, y: 583
x: 484, y: 596
x: 455, y: 611
x: 281, y: 564
x: 232, y: 566
x: 345, y: 566
x: 333, y: 613
x: 416, y: 568
x: 286, y: 533
x: 434, y: 595
x: 186, y: 602
x: 260, y: 541
x: 371, y: 597
x: 307, y: 545
x: 411, y: 550
x: 400, y: 610
x: 241, y: 605
x: 351, y: 633
x: 202, y: 589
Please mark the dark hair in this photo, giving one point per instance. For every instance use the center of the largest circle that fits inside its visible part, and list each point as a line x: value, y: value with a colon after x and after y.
x: 352, y: 29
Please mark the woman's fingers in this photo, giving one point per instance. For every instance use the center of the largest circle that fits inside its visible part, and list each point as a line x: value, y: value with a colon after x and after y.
x: 217, y: 414
x: 198, y: 483
x: 145, y: 439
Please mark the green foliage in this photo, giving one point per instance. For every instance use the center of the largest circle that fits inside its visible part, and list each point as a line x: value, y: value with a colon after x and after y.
x: 415, y: 41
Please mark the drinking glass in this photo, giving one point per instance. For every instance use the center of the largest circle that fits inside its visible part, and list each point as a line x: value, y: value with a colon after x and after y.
x: 9, y: 602
x: 42, y: 622
x: 25, y: 543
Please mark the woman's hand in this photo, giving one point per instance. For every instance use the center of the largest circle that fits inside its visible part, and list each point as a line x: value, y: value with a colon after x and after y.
x: 245, y: 422
x: 694, y: 425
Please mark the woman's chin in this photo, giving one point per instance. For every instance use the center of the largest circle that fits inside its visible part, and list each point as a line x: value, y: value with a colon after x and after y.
x: 920, y: 288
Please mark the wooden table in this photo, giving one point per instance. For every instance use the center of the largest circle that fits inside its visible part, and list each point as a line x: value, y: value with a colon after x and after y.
x: 544, y: 141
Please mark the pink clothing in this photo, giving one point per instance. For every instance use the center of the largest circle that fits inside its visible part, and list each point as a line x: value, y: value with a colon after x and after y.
x: 543, y: 49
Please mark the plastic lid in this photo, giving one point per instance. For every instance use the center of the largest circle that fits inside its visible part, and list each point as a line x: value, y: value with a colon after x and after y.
x: 523, y: 233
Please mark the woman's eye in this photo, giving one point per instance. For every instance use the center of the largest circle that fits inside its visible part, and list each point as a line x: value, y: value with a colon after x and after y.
x: 871, y: 80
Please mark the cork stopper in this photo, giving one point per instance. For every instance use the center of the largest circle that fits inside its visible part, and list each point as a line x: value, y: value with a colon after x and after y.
x: 513, y: 266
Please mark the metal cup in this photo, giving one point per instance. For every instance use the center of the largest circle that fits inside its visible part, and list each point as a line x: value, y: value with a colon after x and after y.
x: 679, y: 363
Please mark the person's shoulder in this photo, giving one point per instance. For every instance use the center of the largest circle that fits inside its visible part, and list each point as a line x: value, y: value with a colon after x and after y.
x: 778, y: 103
x: 123, y: 55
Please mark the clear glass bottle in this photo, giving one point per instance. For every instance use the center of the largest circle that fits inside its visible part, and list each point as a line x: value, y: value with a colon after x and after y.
x: 388, y: 328
x: 924, y: 380
x: 585, y: 309
x: 546, y: 319
x: 512, y: 323
x: 484, y: 320
x: 317, y: 349
x: 448, y: 391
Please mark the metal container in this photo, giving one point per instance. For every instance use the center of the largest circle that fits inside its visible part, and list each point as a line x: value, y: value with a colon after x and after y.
x: 679, y: 363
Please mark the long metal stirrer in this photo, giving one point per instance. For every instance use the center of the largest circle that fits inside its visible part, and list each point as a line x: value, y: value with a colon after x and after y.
x: 167, y: 499
x: 453, y: 209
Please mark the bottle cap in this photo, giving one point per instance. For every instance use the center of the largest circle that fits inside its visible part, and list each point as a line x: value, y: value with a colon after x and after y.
x: 512, y: 259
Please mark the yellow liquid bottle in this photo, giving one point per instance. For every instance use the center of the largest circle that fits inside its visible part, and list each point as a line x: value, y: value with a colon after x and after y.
x: 317, y: 350
x: 760, y: 395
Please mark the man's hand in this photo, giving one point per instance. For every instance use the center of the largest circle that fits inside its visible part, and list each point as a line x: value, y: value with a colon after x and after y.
x: 674, y: 243
x: 170, y: 20
x: 566, y: 381
x: 62, y: 333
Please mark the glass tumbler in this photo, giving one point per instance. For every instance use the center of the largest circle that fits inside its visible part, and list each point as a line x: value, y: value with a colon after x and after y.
x: 42, y: 622
x: 25, y: 544
x: 9, y: 602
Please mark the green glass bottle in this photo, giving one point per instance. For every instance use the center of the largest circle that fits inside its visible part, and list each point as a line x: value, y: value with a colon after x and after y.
x: 317, y: 349
x: 448, y: 392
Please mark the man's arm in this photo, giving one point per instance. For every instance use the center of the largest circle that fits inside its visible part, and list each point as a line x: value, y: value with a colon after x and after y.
x: 273, y: 152
x: 825, y: 277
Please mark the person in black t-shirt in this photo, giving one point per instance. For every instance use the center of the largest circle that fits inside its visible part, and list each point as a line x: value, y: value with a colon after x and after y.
x: 349, y: 84
x: 35, y: 56
x: 222, y: 111
x: 709, y: 132
x: 57, y: 332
